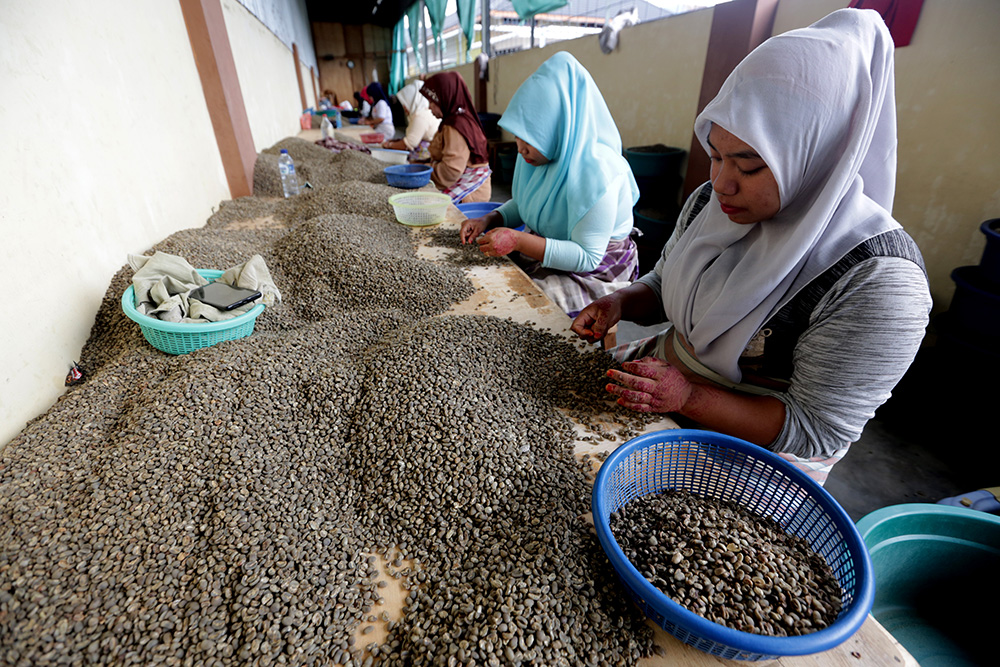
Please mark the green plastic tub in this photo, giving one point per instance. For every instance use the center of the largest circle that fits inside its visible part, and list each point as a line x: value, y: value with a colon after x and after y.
x: 937, y: 576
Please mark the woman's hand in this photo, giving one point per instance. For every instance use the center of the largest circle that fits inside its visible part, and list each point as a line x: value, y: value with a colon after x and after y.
x: 472, y: 228
x: 499, y: 242
x: 650, y: 385
x: 597, y: 318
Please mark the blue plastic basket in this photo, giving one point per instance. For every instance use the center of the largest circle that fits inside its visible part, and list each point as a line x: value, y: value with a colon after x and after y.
x: 182, y: 337
x: 478, y: 209
x: 724, y: 468
x: 408, y: 175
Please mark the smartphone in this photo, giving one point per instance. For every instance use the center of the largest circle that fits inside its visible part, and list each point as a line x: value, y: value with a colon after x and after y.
x: 223, y: 296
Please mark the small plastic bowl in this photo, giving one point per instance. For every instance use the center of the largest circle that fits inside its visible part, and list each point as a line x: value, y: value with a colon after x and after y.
x: 372, y: 137
x: 390, y: 155
x: 420, y: 209
x: 353, y: 121
x: 477, y: 209
x: 408, y: 176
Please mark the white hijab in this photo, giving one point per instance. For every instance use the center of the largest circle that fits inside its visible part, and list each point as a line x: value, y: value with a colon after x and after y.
x: 818, y: 106
x: 411, y: 99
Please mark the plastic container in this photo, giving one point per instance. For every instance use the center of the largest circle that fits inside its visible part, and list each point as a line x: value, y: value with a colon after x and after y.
x: 721, y: 467
x: 975, y: 307
x: 181, y: 337
x: 489, y: 122
x: 289, y: 179
x: 390, y: 155
x: 408, y: 176
x: 936, y: 569
x: 508, y: 160
x: 420, y: 209
x: 326, y: 127
x: 372, y: 137
x: 478, y: 209
x: 990, y: 262
x: 655, y: 160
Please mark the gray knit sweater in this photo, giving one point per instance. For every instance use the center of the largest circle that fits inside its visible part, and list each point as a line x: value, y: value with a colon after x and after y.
x: 858, y: 342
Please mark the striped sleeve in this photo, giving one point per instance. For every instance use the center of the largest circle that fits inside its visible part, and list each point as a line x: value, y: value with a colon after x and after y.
x: 862, y: 336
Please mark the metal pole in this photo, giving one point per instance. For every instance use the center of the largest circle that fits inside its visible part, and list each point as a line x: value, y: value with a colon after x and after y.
x: 485, y: 22
x: 423, y: 28
x: 532, y: 32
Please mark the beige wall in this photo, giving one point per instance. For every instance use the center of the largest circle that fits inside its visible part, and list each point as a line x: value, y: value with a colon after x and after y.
x: 109, y: 149
x: 947, y: 97
x: 947, y: 102
x: 266, y: 69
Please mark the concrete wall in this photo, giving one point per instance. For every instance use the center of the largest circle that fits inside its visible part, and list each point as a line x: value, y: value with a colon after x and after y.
x: 109, y: 149
x: 266, y: 68
x: 947, y: 97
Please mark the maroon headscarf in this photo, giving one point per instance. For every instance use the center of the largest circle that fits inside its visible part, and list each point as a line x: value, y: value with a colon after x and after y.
x: 448, y: 91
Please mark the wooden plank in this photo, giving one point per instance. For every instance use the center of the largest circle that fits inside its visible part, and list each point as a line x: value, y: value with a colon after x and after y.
x: 213, y: 57
x: 738, y: 27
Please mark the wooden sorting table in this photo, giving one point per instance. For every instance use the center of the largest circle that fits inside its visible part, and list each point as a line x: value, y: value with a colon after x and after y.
x: 503, y: 290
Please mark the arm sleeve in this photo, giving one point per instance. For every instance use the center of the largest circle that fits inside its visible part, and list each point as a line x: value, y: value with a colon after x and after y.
x: 454, y: 158
x: 510, y: 213
x: 588, y: 241
x: 862, y: 336
x: 416, y: 127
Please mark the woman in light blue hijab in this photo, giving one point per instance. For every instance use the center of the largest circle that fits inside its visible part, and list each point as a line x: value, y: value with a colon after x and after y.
x: 573, y: 190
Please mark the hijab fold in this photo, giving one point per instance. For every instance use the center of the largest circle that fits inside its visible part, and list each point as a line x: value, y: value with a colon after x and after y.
x: 818, y: 105
x: 449, y: 92
x: 560, y: 111
x: 411, y: 99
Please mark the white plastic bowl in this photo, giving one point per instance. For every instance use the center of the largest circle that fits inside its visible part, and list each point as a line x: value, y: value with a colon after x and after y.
x: 389, y: 155
x: 420, y: 209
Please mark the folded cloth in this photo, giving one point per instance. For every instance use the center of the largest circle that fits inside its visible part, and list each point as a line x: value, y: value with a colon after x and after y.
x: 162, y: 282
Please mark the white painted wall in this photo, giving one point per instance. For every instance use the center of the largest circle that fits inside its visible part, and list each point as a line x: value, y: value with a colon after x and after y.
x: 266, y: 69
x: 109, y: 149
x: 947, y: 102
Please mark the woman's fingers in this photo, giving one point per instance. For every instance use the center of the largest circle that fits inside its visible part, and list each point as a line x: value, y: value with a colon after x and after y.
x: 627, y: 398
x: 633, y: 382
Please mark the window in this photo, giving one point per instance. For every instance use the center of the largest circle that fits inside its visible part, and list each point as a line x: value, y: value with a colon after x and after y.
x: 510, y: 33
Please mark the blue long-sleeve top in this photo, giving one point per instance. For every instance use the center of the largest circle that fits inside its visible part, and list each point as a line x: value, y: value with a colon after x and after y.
x: 610, y: 218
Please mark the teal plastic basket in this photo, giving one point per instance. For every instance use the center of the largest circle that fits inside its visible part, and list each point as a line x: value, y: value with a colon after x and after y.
x: 183, y: 337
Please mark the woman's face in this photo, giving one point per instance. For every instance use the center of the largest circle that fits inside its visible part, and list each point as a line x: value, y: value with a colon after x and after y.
x: 530, y: 153
x: 742, y: 181
x: 435, y: 109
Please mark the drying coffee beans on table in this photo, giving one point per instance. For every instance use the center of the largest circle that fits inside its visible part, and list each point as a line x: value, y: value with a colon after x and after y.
x: 255, y: 502
x: 728, y: 565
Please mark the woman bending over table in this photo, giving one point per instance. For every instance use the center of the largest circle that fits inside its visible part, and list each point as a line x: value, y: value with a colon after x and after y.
x: 572, y: 190
x: 796, y: 301
x: 458, y: 150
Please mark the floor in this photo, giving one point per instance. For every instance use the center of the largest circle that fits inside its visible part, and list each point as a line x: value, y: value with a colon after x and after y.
x: 928, y: 442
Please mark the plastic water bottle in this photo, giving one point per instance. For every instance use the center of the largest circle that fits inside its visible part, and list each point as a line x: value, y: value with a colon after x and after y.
x: 289, y: 179
x: 326, y: 127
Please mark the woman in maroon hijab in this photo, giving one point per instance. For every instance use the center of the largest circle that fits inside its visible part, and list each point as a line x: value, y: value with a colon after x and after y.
x: 458, y: 150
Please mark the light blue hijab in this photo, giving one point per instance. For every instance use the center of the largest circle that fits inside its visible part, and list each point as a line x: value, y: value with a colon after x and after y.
x: 560, y: 111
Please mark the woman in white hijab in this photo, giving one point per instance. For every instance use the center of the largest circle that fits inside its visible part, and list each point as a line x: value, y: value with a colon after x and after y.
x: 421, y: 124
x: 796, y: 301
